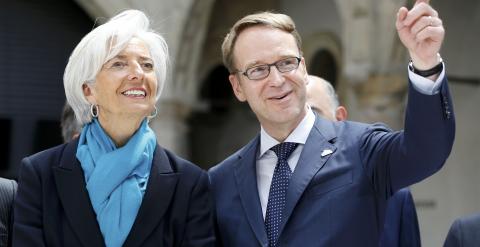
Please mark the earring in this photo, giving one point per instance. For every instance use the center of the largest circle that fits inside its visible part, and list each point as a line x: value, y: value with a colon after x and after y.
x: 154, y: 113
x: 94, y: 110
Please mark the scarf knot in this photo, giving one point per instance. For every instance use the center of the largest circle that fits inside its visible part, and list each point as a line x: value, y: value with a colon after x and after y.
x: 116, y: 178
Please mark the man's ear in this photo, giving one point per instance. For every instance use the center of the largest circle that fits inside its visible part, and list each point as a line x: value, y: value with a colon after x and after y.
x: 237, y: 89
x: 341, y: 113
x: 88, y: 92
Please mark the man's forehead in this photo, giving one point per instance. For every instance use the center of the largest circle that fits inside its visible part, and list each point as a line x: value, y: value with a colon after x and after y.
x: 262, y: 44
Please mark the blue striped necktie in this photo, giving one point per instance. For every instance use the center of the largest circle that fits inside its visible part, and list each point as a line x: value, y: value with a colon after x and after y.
x: 278, y: 191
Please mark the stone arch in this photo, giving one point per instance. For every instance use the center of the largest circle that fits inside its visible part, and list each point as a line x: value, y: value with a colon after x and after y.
x: 214, y: 111
x: 323, y: 64
x: 323, y: 56
x: 323, y: 44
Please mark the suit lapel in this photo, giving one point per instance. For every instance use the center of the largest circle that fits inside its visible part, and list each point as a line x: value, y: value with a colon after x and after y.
x: 70, y: 182
x: 310, y: 162
x: 159, y: 193
x: 246, y: 179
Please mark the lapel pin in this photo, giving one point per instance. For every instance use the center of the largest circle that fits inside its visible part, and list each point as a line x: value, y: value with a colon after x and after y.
x: 326, y: 152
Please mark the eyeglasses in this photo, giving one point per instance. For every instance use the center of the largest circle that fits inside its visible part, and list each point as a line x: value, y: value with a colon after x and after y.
x: 260, y: 72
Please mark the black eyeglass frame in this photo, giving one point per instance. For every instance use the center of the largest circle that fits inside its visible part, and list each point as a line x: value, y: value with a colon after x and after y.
x: 269, y: 66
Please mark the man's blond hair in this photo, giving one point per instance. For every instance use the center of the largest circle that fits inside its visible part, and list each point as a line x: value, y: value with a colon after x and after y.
x: 269, y: 19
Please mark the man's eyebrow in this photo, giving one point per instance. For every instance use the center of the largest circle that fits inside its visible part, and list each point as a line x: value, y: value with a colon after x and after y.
x: 258, y: 63
x: 254, y: 63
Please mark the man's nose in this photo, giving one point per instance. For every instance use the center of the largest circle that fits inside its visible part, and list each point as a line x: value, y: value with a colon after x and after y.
x: 275, y: 77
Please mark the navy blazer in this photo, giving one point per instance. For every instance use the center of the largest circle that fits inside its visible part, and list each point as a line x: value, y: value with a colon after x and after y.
x: 53, y: 208
x: 337, y: 199
x: 401, y: 222
x: 464, y: 232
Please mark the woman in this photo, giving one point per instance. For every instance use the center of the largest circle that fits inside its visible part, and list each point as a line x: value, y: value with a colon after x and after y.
x: 113, y: 186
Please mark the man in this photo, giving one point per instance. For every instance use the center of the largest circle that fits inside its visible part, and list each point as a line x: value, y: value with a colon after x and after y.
x: 70, y: 126
x: 8, y: 189
x: 306, y: 181
x: 401, y: 223
x: 464, y: 232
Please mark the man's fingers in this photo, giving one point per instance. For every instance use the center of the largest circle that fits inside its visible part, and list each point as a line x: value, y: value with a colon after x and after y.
x: 401, y: 14
x: 422, y: 1
x: 433, y: 33
x: 419, y: 10
x: 424, y: 22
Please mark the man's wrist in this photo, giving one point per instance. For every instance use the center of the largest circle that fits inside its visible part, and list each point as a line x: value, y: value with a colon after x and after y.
x: 428, y: 72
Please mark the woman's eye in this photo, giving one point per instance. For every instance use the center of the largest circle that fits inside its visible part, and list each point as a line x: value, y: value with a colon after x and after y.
x: 118, y: 65
x: 148, y: 65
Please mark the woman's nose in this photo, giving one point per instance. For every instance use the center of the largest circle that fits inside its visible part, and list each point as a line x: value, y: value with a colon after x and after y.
x: 136, y: 72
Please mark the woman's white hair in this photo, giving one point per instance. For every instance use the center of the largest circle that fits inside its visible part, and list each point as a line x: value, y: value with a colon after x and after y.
x: 102, y: 44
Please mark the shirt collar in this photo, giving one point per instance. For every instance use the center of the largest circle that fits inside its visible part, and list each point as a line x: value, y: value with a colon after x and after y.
x: 299, y: 134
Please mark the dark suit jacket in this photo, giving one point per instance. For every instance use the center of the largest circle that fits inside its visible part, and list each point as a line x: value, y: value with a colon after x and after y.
x: 8, y: 189
x: 401, y: 223
x: 53, y: 207
x: 464, y: 232
x: 337, y: 199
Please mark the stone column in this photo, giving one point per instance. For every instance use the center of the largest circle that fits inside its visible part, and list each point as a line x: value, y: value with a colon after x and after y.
x: 374, y: 61
x: 180, y: 22
x: 170, y: 126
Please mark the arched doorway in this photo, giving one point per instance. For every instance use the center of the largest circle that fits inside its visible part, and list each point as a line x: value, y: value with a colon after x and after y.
x: 323, y: 64
x: 220, y: 124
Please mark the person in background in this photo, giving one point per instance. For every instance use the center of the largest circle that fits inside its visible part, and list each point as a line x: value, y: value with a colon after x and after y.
x: 113, y: 185
x: 70, y: 126
x: 401, y: 223
x: 464, y: 232
x: 8, y: 189
x: 306, y: 181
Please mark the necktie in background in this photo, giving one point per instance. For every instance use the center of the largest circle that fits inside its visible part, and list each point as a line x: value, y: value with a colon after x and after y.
x: 278, y: 191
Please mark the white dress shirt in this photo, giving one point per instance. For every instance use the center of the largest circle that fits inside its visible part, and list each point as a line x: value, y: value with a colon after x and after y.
x: 267, y: 159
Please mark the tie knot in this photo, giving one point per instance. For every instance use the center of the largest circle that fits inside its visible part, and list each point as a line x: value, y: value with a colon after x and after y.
x: 284, y: 149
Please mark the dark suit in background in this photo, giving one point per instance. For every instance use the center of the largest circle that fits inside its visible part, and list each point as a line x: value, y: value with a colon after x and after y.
x: 8, y: 189
x: 401, y: 222
x: 175, y: 209
x: 464, y: 232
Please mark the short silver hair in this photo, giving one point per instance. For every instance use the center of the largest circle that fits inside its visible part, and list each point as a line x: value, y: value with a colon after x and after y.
x: 329, y: 93
x: 332, y: 95
x: 102, y: 44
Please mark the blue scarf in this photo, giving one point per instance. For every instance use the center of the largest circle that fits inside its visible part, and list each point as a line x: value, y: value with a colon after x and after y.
x: 116, y: 177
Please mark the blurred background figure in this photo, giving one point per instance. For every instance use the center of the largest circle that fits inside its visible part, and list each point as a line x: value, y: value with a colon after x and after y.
x: 8, y: 189
x: 401, y: 223
x: 70, y: 126
x: 464, y: 232
x: 323, y: 99
x: 113, y: 185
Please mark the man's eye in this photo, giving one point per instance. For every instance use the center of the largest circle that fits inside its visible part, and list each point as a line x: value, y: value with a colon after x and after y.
x: 286, y: 62
x: 258, y: 69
